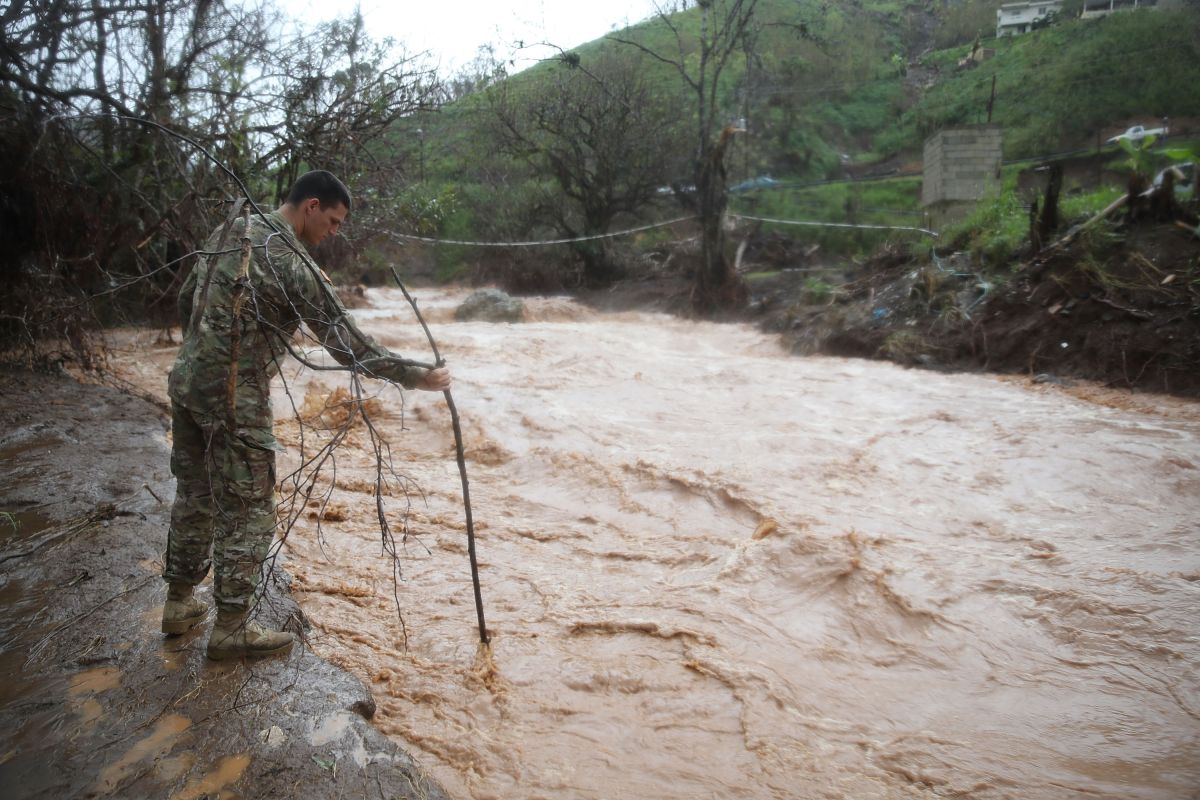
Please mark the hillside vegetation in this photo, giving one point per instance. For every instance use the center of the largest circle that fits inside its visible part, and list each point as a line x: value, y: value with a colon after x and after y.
x: 1060, y: 87
x: 829, y: 93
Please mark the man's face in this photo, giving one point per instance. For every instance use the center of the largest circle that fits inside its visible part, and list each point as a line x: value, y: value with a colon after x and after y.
x: 321, y: 222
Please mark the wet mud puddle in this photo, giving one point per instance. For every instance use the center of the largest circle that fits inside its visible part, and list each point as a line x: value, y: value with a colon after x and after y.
x: 713, y: 570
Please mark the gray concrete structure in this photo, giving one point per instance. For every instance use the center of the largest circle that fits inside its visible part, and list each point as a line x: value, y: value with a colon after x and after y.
x: 961, y: 166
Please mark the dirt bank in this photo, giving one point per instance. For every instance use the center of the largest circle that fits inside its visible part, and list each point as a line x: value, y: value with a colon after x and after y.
x: 95, y: 702
x: 1119, y: 308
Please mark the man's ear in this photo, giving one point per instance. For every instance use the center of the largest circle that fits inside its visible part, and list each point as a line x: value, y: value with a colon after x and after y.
x: 311, y: 204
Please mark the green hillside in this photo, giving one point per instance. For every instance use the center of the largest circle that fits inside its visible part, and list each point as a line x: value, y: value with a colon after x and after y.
x: 828, y: 92
x: 1058, y: 87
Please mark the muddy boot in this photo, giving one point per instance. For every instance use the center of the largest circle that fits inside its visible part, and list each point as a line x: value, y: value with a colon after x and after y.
x: 233, y: 636
x: 182, y: 610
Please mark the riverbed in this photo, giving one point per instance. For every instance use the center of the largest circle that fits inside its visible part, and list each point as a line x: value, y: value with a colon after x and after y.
x: 711, y: 569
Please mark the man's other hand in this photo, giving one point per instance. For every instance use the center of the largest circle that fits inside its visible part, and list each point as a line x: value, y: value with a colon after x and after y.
x: 435, y: 380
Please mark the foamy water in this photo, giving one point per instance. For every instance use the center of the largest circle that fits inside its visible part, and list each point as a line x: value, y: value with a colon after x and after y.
x: 714, y: 570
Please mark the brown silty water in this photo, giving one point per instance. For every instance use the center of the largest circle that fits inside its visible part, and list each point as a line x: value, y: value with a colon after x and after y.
x: 714, y: 570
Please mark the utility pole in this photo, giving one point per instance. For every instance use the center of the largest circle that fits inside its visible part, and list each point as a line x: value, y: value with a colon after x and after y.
x: 992, y: 99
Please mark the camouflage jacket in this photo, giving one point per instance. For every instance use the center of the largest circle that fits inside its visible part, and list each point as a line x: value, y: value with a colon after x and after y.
x: 283, y: 289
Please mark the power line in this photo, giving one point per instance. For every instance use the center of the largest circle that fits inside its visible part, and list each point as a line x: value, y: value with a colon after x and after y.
x: 663, y: 224
x: 540, y: 242
x: 817, y: 224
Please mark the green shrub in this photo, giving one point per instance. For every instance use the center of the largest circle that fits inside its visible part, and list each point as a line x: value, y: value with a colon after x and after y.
x: 817, y: 292
x: 1076, y: 208
x: 996, y: 230
x: 886, y: 202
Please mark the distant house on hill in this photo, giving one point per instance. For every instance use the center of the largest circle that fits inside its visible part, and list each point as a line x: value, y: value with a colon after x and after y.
x: 1098, y: 8
x: 1013, y: 19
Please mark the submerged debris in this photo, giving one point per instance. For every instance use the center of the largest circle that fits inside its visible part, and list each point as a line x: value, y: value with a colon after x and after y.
x: 334, y: 409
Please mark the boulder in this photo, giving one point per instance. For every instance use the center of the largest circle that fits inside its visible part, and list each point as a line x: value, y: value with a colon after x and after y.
x: 491, y: 305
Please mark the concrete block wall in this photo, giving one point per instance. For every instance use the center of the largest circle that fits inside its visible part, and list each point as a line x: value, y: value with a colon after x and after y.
x: 961, y: 164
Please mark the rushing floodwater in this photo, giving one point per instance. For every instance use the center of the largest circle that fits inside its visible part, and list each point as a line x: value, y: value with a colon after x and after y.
x: 714, y: 570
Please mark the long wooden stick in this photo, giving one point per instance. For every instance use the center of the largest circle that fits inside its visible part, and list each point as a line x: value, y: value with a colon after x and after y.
x: 462, y: 463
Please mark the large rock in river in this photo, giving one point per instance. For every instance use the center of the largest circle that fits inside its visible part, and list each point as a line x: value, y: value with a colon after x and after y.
x: 491, y: 305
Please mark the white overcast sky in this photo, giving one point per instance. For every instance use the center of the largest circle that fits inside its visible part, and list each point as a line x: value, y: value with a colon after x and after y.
x: 452, y: 30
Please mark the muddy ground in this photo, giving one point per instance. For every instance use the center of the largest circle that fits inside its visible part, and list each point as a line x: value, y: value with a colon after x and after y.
x: 95, y: 701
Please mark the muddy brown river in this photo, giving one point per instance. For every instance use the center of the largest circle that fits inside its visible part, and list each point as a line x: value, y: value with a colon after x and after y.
x: 711, y: 569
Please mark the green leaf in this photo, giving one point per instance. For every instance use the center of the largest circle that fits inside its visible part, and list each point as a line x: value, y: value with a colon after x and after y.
x: 325, y: 763
x: 1180, y: 154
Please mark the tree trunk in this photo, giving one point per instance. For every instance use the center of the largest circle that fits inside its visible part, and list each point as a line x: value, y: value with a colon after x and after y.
x: 106, y: 123
x: 717, y: 285
x: 1048, y: 219
x: 599, y: 269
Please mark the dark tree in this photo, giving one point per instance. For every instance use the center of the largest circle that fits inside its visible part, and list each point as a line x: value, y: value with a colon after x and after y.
x: 603, y: 135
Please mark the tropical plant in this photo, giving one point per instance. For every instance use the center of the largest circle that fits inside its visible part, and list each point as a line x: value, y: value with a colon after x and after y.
x: 1141, y: 156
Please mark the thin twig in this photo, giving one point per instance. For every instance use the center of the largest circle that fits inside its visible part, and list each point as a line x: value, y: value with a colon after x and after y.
x: 36, y: 651
x: 63, y: 532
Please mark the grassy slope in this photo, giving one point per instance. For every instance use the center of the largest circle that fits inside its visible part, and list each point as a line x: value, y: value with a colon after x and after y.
x: 828, y: 88
x: 892, y: 202
x: 839, y: 88
x: 1055, y: 88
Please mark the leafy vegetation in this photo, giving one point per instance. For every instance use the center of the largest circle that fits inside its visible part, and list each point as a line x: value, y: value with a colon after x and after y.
x: 603, y: 140
x: 889, y: 202
x: 996, y: 230
x: 1078, y: 207
x: 827, y: 90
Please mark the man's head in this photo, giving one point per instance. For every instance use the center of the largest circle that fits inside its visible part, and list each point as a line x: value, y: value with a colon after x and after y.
x: 317, y: 205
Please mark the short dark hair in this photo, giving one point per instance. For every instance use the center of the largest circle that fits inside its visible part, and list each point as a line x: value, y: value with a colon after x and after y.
x: 322, y: 185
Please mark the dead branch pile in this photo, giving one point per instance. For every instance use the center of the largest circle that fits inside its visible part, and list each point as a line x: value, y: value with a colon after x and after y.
x: 336, y: 409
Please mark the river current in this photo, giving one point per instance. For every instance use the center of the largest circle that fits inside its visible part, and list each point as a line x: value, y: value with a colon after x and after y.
x: 711, y: 569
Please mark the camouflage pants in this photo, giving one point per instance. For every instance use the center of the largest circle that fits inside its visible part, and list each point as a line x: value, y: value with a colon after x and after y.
x: 224, y: 512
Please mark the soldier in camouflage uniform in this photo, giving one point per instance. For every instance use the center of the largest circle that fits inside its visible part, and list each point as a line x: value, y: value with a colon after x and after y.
x: 238, y: 318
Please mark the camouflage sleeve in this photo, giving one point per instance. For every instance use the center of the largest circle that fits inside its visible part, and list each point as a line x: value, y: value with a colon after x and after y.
x: 319, y: 307
x: 183, y: 303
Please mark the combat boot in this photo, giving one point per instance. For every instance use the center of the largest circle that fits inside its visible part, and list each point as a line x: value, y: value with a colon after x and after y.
x: 233, y: 636
x: 182, y: 609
